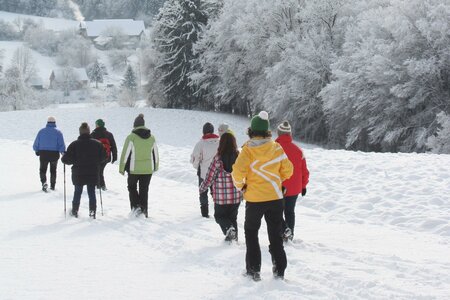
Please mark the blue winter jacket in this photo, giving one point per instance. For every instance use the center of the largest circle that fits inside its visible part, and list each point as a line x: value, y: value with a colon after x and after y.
x: 50, y: 139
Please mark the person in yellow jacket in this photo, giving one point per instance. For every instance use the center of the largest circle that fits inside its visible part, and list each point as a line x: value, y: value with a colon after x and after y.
x: 259, y: 171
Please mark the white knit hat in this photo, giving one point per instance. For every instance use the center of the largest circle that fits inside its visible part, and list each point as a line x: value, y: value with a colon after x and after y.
x: 223, y: 128
x: 51, y: 119
x: 284, y: 128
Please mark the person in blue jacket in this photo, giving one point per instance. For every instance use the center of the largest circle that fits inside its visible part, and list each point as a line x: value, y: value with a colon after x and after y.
x: 48, y: 145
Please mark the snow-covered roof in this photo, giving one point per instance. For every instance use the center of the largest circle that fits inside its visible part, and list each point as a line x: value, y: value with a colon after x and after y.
x: 129, y: 27
x: 79, y: 74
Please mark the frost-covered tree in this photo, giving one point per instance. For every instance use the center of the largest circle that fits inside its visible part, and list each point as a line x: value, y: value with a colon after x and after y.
x: 74, y: 50
x: 176, y: 29
x: 129, y: 79
x: 42, y: 40
x: 440, y: 141
x: 392, y: 79
x: 95, y: 72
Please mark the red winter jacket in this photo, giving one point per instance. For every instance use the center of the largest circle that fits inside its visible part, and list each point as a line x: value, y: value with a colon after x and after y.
x: 300, y: 177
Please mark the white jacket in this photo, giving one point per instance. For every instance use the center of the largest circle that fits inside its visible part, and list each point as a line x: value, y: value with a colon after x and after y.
x: 204, y: 152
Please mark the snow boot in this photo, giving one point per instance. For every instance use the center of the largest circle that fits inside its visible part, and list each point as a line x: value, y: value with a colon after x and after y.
x: 255, y: 276
x: 204, y: 210
x: 288, y: 235
x: 277, y: 274
x: 74, y: 213
x: 45, y: 187
x: 231, y: 235
x: 92, y: 214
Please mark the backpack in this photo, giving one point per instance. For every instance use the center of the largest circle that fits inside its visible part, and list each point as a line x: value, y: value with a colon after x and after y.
x: 106, y: 144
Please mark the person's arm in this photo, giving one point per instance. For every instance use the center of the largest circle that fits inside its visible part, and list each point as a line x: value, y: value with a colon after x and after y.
x: 112, y: 141
x: 211, y: 174
x: 36, y: 142
x: 305, y: 172
x: 126, y: 151
x: 155, y: 157
x: 286, y: 168
x: 69, y: 157
x: 196, y: 156
x: 60, y: 142
x: 240, y: 169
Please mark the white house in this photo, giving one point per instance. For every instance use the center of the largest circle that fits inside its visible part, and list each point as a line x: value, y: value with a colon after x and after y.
x: 69, y: 79
x: 100, y: 30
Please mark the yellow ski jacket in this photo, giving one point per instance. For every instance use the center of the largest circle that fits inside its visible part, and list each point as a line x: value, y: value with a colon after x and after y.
x: 260, y: 169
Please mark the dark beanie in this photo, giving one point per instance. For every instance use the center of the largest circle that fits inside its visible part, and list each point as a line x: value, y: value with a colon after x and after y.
x: 139, y: 121
x: 100, y: 123
x: 84, y: 128
x: 208, y: 128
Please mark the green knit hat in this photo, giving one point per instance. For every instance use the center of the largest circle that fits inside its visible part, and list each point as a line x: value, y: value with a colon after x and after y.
x: 100, y: 123
x: 260, y: 122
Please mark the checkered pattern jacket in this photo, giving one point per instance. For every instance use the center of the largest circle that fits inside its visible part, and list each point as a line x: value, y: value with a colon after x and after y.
x: 223, y: 190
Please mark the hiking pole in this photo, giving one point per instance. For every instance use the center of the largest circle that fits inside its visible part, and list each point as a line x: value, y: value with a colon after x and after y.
x: 101, y: 201
x: 65, y: 214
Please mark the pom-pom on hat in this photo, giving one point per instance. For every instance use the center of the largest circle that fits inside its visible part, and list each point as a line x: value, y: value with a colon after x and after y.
x: 208, y: 128
x: 100, y: 123
x: 139, y: 121
x: 51, y: 120
x: 284, y: 128
x: 84, y: 128
x: 223, y: 128
x: 260, y: 122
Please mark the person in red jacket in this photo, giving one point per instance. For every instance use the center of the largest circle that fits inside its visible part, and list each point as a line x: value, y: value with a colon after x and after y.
x: 296, y: 184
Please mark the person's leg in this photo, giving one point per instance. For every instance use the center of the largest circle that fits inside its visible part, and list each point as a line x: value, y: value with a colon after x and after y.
x: 220, y: 215
x: 289, y: 211
x: 274, y: 220
x: 234, y: 210
x: 101, y: 176
x: 132, y: 190
x: 53, y: 167
x: 203, y: 197
x: 78, y: 190
x: 253, y: 215
x: 43, y: 164
x: 144, y: 182
x: 92, y: 199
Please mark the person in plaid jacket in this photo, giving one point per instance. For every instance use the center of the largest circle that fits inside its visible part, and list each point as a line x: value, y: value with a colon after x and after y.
x: 225, y: 195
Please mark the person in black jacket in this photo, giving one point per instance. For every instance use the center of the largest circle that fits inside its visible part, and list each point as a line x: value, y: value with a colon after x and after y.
x: 86, y: 155
x: 107, y: 139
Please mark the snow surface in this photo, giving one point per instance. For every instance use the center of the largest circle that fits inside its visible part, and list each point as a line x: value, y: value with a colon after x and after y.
x: 372, y: 226
x: 55, y: 24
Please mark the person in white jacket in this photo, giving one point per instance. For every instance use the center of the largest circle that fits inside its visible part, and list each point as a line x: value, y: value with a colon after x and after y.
x: 201, y: 158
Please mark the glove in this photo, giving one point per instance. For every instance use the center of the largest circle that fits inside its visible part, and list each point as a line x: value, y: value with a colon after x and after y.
x: 37, y: 153
x: 303, y: 192
x: 122, y: 172
x: 113, y: 160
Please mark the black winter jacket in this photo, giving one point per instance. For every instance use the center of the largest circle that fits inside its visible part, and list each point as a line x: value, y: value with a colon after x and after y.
x: 85, y: 154
x: 100, y: 133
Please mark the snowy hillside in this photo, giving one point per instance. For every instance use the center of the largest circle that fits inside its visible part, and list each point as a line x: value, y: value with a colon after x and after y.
x: 372, y: 226
x: 56, y: 24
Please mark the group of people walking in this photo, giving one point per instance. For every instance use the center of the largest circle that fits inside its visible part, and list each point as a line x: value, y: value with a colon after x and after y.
x: 89, y: 155
x: 269, y: 174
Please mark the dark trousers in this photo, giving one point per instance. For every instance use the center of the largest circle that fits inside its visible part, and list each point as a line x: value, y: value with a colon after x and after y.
x: 273, y: 214
x: 43, y: 171
x: 203, y: 196
x: 289, y: 212
x: 226, y: 216
x: 77, y: 197
x: 139, y: 199
x: 101, y: 177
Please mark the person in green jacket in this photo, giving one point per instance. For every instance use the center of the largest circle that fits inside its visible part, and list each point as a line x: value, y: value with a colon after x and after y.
x: 139, y: 159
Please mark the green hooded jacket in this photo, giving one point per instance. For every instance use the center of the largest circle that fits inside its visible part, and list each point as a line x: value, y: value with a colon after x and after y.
x: 140, y: 153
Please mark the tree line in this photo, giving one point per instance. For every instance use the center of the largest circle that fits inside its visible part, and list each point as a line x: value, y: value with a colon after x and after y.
x: 370, y: 75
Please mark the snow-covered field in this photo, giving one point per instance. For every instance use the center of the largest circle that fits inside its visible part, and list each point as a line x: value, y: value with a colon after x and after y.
x: 372, y: 226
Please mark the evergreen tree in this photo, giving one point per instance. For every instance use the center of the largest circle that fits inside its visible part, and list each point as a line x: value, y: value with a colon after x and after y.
x: 176, y: 30
x: 95, y: 72
x: 129, y: 80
